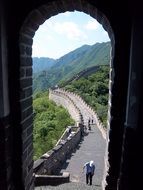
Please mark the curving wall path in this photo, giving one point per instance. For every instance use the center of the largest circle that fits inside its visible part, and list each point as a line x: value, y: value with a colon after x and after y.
x: 79, y: 110
x: 62, y: 98
x: 93, y: 144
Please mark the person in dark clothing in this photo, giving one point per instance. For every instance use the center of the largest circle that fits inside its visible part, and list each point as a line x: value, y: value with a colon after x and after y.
x: 89, y: 169
x: 89, y: 126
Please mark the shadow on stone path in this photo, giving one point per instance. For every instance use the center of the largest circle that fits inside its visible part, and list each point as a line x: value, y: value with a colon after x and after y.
x: 92, y: 147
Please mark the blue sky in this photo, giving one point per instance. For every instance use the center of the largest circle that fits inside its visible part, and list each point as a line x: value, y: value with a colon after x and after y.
x: 65, y: 32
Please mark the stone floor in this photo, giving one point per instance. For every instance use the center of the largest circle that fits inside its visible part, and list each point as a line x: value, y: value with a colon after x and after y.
x: 70, y: 186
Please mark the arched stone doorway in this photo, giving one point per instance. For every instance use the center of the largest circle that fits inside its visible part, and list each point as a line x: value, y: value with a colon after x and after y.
x: 31, y: 24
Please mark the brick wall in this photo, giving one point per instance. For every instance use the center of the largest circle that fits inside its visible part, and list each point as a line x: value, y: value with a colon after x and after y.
x: 33, y: 20
x: 50, y: 163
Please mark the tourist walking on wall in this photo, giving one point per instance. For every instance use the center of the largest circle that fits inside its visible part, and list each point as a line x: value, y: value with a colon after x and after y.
x: 89, y: 168
x: 89, y: 126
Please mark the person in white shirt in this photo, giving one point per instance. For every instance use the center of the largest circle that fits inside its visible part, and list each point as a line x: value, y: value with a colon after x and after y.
x: 89, y: 170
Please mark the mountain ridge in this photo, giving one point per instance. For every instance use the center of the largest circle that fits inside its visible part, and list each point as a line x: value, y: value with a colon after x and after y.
x: 70, y: 64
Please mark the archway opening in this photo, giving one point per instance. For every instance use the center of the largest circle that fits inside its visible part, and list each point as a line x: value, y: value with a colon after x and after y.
x: 33, y: 21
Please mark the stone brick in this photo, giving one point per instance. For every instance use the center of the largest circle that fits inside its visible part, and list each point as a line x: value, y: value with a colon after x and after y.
x: 51, y: 10
x: 30, y: 166
x: 26, y: 61
x: 36, y: 17
x: 26, y: 82
x: 25, y: 155
x: 29, y: 72
x: 22, y: 72
x: 68, y: 4
x: 27, y: 142
x: 85, y: 5
x: 30, y: 148
x: 26, y: 93
x: 93, y: 12
x: 60, y: 6
x: 28, y: 31
x: 25, y: 103
x: 44, y: 11
x: 27, y: 122
x: 29, y: 130
x: 25, y: 39
x: 30, y: 24
x: 25, y: 50
x: 27, y: 113
x: 77, y: 5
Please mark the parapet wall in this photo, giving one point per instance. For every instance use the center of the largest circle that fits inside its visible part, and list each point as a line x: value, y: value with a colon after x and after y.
x: 62, y: 98
x: 50, y: 162
x: 98, y: 122
x: 88, y: 108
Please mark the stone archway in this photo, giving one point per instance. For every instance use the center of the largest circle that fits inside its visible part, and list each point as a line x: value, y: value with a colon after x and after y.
x: 31, y: 24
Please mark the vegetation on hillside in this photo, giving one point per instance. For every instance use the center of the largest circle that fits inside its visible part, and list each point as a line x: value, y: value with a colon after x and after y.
x: 94, y: 89
x: 71, y: 64
x: 50, y: 122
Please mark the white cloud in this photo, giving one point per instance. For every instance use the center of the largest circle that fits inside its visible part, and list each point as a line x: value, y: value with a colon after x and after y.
x: 92, y: 25
x: 67, y: 14
x: 48, y: 24
x: 70, y: 30
x: 105, y: 33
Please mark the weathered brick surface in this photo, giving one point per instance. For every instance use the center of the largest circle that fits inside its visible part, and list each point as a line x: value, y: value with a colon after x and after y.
x: 54, y: 158
x: 26, y: 61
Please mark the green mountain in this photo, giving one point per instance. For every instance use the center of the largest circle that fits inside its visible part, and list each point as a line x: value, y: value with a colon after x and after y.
x: 72, y: 63
x: 42, y: 63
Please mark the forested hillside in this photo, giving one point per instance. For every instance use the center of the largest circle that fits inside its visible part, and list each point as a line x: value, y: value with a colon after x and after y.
x: 49, y: 123
x: 42, y: 64
x: 94, y: 89
x: 49, y: 120
x: 71, y: 64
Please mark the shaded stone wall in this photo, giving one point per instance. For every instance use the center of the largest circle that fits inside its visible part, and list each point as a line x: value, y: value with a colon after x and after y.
x: 21, y: 22
x: 51, y: 162
x: 35, y: 16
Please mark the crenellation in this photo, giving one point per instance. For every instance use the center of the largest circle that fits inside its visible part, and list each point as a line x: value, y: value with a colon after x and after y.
x: 90, y: 110
x: 54, y: 158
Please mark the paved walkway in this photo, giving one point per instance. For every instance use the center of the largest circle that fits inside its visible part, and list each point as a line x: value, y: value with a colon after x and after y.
x: 70, y: 186
x: 92, y: 147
